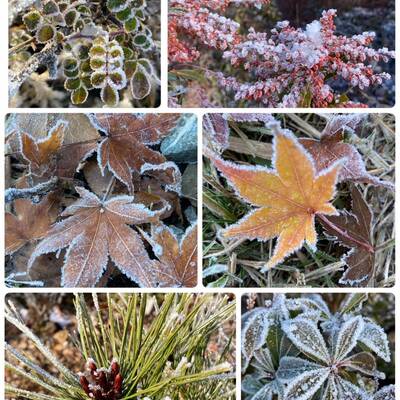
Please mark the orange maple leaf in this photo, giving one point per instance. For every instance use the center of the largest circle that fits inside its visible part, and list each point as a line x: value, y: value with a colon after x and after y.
x: 41, y: 153
x: 288, y: 197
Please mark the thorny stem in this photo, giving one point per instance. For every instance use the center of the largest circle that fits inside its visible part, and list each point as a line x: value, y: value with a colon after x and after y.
x: 343, y: 233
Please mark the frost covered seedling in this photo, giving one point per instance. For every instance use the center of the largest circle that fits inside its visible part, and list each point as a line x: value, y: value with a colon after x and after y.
x: 71, y: 53
x: 292, y: 191
x: 284, y: 67
x: 92, y: 198
x: 134, y: 346
x: 297, y: 348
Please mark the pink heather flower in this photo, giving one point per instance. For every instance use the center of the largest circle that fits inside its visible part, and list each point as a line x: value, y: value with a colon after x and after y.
x: 291, y: 67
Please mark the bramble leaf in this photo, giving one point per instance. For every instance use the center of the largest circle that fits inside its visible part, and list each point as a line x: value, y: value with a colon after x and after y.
x: 288, y: 196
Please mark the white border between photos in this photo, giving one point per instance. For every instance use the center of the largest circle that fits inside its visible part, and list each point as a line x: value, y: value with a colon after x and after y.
x: 4, y: 109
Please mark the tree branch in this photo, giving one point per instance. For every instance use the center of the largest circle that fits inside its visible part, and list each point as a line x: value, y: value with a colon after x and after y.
x: 35, y: 193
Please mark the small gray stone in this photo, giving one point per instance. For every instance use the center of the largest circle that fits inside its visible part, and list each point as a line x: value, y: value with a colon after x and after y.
x: 181, y: 145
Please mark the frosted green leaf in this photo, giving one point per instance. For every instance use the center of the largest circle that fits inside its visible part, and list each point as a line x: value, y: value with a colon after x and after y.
x: 365, y: 363
x: 264, y: 393
x: 98, y: 51
x: 306, y: 385
x: 255, y: 331
x: 45, y: 33
x: 117, y: 5
x: 98, y: 79
x: 306, y: 336
x: 124, y: 15
x: 386, y: 393
x: 331, y: 390
x: 348, y: 391
x: 32, y: 20
x: 140, y: 83
x: 72, y: 84
x: 117, y: 79
x: 348, y: 336
x: 51, y: 8
x: 141, y: 40
x: 109, y: 96
x: 79, y: 96
x: 71, y: 17
x: 375, y: 338
x: 292, y: 367
x: 70, y: 64
x: 98, y: 63
x: 131, y: 25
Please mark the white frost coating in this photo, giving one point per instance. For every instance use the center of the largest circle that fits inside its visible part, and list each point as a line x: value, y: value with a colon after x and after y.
x: 87, y: 200
x: 291, y: 367
x: 341, y: 122
x: 264, y: 393
x: 306, y: 336
x: 386, y: 393
x: 375, y: 338
x: 348, y: 391
x: 306, y: 385
x: 41, y: 347
x: 255, y: 332
x: 348, y: 336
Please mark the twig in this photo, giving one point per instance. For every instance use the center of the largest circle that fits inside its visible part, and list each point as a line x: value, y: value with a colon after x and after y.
x: 35, y: 193
x: 20, y: 46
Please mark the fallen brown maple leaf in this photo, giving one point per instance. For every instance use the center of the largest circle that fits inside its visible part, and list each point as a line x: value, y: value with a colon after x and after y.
x: 178, y: 259
x: 96, y: 230
x: 125, y: 147
x: 354, y: 231
x: 331, y: 148
x: 31, y: 222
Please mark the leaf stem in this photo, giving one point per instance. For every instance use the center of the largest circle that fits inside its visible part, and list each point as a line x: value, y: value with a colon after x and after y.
x: 343, y: 233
